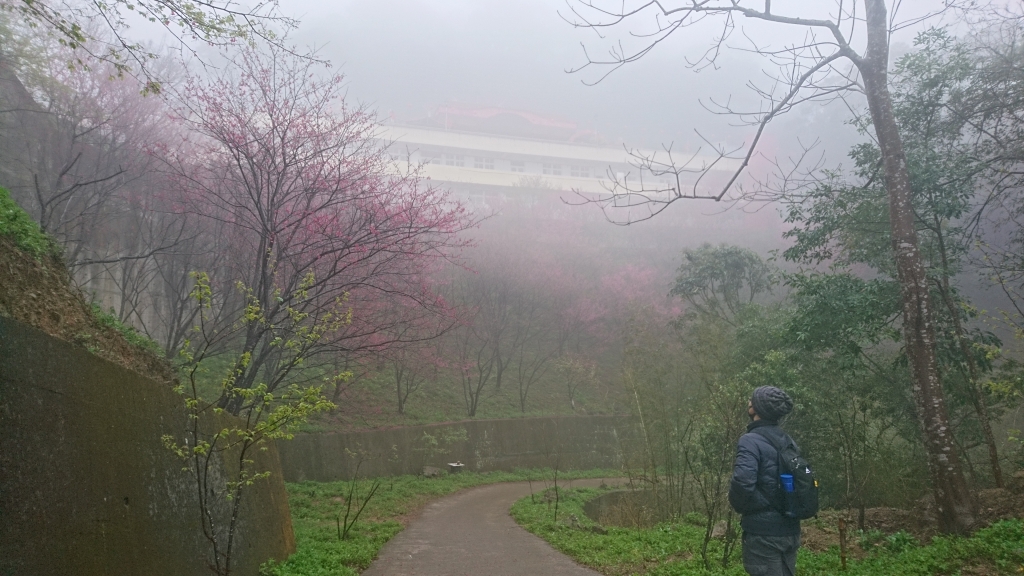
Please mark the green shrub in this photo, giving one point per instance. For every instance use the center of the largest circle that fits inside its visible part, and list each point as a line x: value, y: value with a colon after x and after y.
x: 695, y: 519
x: 900, y: 542
x: 17, y: 225
x: 869, y: 539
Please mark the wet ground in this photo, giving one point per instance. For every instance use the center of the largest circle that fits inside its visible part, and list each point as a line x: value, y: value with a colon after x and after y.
x: 471, y: 533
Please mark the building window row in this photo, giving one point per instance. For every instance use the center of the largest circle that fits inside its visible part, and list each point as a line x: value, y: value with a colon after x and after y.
x: 490, y: 163
x: 551, y: 169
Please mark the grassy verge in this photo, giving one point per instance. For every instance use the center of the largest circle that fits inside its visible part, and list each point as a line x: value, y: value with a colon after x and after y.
x: 317, y: 509
x: 17, y: 225
x: 673, y: 548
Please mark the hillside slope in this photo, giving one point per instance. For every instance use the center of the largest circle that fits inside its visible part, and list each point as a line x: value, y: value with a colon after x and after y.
x: 36, y: 289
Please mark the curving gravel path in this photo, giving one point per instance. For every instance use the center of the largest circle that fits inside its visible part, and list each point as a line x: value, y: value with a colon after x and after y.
x: 471, y: 533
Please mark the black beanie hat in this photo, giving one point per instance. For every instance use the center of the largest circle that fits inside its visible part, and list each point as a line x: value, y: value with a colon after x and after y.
x: 771, y: 403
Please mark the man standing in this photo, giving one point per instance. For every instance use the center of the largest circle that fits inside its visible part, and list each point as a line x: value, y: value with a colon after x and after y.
x: 770, y: 538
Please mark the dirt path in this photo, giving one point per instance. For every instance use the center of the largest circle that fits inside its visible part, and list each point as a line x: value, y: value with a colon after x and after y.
x: 471, y: 533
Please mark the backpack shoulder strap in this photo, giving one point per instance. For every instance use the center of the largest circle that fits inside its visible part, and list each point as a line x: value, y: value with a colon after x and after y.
x: 781, y: 442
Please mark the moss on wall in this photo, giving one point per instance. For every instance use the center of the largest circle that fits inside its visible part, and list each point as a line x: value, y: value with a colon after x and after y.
x: 87, y: 486
x: 568, y: 442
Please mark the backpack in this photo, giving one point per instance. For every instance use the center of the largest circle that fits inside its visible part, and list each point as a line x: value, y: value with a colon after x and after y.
x: 802, y: 502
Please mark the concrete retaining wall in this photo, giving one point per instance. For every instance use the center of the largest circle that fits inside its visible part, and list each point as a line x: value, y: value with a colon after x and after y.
x: 87, y: 486
x: 577, y: 443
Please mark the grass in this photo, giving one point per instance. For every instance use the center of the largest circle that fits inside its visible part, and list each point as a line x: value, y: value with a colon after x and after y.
x: 315, y: 509
x: 17, y: 225
x: 130, y: 334
x: 370, y: 403
x: 672, y: 549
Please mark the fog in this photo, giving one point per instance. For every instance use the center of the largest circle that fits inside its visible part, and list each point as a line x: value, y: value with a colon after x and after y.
x: 403, y: 212
x: 406, y: 57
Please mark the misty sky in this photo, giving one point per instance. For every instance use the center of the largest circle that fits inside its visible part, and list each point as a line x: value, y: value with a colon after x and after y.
x: 406, y: 57
x: 409, y: 56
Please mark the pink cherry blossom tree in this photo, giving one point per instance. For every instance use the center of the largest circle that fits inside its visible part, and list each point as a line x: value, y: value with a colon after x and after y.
x: 327, y: 237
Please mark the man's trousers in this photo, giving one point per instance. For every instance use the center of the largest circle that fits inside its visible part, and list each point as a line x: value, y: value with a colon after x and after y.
x: 770, y: 555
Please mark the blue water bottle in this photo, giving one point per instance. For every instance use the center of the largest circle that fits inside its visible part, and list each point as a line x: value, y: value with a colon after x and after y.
x: 788, y: 493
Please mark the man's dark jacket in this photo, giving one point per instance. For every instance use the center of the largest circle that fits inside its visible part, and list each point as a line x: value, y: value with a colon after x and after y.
x: 755, y: 492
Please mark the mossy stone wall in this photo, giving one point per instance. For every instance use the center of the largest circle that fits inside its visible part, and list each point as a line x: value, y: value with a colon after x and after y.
x: 87, y: 487
x: 569, y: 443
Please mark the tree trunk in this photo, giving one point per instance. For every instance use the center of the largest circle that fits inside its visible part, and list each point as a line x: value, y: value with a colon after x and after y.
x: 954, y: 504
x: 974, y: 384
x: 398, y: 388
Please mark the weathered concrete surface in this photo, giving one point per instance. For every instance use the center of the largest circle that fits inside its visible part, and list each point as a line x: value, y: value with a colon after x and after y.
x: 471, y: 533
x: 568, y: 443
x: 86, y: 485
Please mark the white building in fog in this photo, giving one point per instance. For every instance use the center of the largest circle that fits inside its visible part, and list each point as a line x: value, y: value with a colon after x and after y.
x: 479, y: 150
